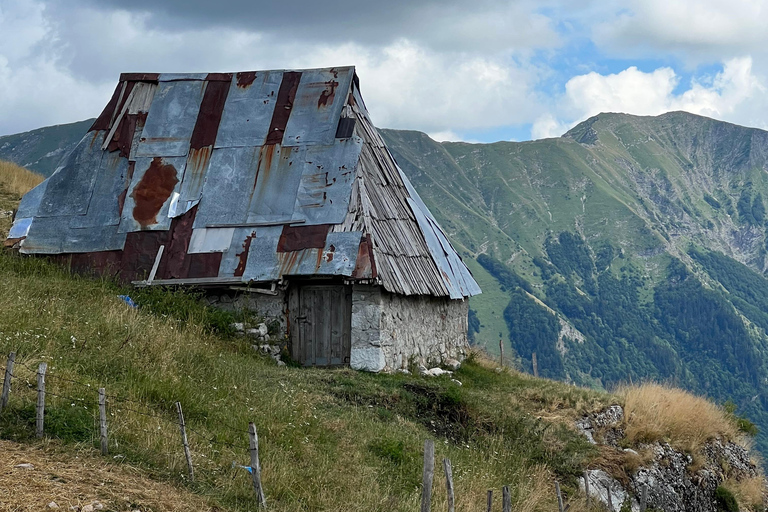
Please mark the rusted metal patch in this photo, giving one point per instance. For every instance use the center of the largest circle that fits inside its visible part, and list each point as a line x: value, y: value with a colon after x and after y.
x: 154, y: 189
x: 123, y: 138
x: 139, y: 253
x: 245, y: 79
x: 204, y: 265
x: 363, y: 264
x: 219, y: 77
x: 242, y: 257
x: 103, y: 121
x: 139, y: 77
x: 209, y: 116
x: 329, y: 92
x: 285, y: 97
x: 297, y: 238
x: 175, y: 262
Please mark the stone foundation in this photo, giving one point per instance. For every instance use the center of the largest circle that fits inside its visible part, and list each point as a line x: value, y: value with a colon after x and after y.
x: 390, y: 331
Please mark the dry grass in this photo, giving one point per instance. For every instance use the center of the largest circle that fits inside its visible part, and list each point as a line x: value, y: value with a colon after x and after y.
x: 17, y: 180
x: 654, y: 412
x: 78, y: 481
x: 749, y: 492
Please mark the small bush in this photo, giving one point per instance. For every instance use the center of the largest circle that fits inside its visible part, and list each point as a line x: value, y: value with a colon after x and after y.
x: 726, y: 501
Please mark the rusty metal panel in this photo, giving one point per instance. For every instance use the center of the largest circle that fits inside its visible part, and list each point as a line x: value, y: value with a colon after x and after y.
x: 209, y: 117
x: 104, y: 207
x: 276, y: 184
x: 244, y: 241
x: 337, y: 258
x: 317, y: 106
x: 248, y: 109
x: 191, y: 187
x: 326, y: 182
x: 149, y: 196
x: 262, y: 262
x: 228, y: 186
x: 171, y: 119
x: 70, y: 187
x: 297, y: 238
x: 103, y: 121
x: 207, y: 240
x: 283, y: 107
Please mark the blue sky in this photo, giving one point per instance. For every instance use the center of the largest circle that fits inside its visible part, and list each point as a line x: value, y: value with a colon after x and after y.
x: 478, y: 71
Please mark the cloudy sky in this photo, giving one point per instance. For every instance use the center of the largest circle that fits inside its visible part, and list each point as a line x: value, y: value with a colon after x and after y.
x: 475, y: 70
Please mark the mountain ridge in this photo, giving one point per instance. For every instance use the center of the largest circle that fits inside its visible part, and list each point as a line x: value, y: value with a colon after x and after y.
x: 647, y: 235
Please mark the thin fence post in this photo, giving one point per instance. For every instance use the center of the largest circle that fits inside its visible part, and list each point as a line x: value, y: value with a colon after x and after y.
x: 7, y: 380
x: 644, y: 499
x: 501, y: 353
x: 184, y: 442
x: 535, y: 364
x: 255, y: 465
x: 506, y: 499
x: 39, y: 423
x: 427, y: 475
x: 489, y: 500
x: 610, y: 498
x: 103, y: 421
x: 559, y: 497
x: 586, y: 486
x: 449, y: 483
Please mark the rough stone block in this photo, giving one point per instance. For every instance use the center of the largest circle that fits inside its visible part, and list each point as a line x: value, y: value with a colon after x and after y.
x: 368, y: 359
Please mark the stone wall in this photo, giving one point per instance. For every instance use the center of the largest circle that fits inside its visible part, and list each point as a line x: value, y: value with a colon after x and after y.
x: 389, y: 331
x: 272, y: 308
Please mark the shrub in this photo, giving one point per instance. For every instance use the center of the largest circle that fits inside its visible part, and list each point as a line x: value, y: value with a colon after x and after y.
x: 726, y: 501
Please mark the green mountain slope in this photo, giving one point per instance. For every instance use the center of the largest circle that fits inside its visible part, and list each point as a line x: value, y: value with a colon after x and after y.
x: 631, y: 248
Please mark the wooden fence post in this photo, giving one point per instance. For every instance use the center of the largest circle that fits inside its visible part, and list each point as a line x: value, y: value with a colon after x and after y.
x: 184, y: 442
x: 103, y: 421
x: 506, y: 499
x: 449, y: 483
x: 489, y: 500
x: 535, y: 363
x: 644, y: 499
x: 501, y: 353
x: 7, y: 380
x: 427, y: 474
x: 256, y: 465
x: 559, y: 497
x: 40, y: 399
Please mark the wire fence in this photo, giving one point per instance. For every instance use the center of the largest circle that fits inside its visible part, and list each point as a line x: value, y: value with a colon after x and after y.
x: 49, y: 386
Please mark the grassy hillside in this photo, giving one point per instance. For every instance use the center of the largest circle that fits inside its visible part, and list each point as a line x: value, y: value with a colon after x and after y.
x: 329, y: 439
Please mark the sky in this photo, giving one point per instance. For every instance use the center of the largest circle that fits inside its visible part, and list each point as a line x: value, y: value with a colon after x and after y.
x: 470, y: 70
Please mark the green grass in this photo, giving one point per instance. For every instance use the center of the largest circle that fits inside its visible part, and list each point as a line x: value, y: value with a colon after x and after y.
x: 330, y: 439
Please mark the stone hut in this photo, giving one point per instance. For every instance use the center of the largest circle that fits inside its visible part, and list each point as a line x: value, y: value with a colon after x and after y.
x: 274, y: 185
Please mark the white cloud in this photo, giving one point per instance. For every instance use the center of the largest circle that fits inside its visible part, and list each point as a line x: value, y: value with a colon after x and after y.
x: 546, y: 126
x: 735, y: 94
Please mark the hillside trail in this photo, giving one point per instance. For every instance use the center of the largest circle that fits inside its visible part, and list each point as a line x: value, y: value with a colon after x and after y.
x: 33, y: 477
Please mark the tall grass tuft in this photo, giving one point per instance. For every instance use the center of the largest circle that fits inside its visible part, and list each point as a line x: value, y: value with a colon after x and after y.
x: 655, y: 412
x: 17, y: 180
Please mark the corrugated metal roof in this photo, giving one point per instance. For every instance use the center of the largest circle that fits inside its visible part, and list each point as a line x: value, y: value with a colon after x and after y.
x: 242, y: 177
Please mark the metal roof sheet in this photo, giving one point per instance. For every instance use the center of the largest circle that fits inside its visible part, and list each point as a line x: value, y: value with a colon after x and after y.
x: 250, y: 176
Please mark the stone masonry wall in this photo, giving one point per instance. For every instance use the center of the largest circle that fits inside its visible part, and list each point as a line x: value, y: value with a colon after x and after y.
x: 271, y: 307
x: 389, y: 330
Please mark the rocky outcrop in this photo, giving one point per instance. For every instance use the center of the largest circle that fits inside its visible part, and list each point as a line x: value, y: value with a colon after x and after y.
x: 671, y: 479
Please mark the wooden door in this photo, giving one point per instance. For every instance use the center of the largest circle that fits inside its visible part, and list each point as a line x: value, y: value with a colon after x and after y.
x: 323, y: 325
